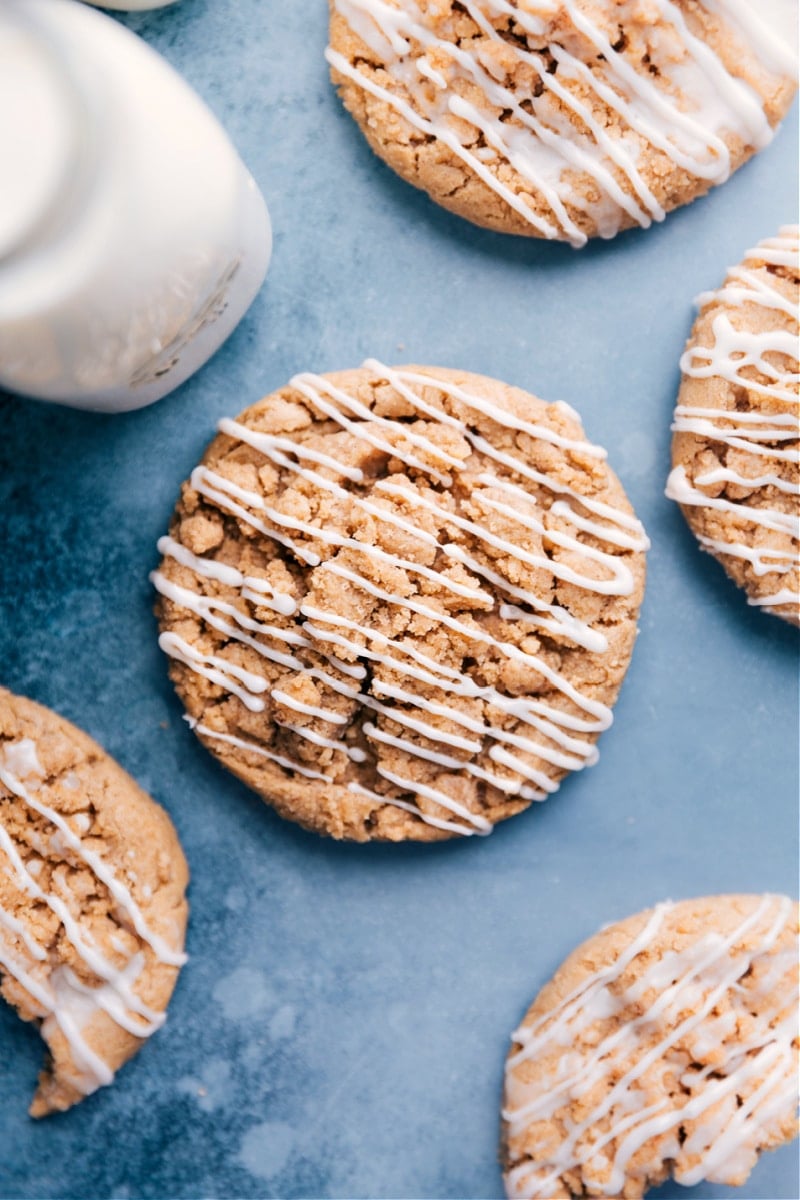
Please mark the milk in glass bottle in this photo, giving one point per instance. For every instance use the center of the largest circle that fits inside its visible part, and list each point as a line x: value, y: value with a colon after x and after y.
x: 132, y: 237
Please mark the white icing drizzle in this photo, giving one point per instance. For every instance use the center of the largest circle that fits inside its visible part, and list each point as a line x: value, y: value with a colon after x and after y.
x: 563, y: 738
x: 784, y: 596
x: 443, y: 760
x: 770, y: 27
x: 311, y: 710
x: 558, y: 133
x: 208, y: 568
x: 748, y: 1055
x: 354, y: 753
x: 620, y: 584
x: 289, y: 764
x: 439, y: 797
x: 229, y: 495
x: 766, y: 365
x: 436, y: 822
x: 479, y: 823
x: 58, y: 997
x: 762, y: 561
x: 222, y: 671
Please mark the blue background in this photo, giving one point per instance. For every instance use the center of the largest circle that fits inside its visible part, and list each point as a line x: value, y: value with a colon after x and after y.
x: 341, y: 1027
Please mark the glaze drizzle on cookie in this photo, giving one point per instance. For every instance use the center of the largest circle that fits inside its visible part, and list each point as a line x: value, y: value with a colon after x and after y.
x: 336, y: 651
x: 765, y: 435
x: 59, y: 998
x: 726, y: 1011
x: 683, y: 109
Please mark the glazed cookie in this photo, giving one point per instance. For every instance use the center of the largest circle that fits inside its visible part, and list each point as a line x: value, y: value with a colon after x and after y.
x: 564, y: 119
x: 400, y: 602
x: 736, y: 445
x: 92, y: 908
x: 664, y: 1046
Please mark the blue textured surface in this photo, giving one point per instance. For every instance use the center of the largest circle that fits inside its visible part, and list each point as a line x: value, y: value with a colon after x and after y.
x: 341, y: 1027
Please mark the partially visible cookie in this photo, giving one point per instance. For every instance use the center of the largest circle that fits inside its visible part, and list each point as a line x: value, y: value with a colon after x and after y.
x: 92, y: 906
x: 736, y: 444
x: 400, y: 602
x: 666, y: 1045
x: 567, y: 119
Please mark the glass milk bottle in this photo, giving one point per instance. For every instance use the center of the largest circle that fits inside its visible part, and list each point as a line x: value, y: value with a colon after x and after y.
x: 132, y: 237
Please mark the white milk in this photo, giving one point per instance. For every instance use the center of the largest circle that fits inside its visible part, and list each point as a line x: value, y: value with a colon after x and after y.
x: 132, y: 238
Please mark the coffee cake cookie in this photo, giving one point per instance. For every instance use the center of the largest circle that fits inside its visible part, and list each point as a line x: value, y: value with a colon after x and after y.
x: 736, y: 444
x: 564, y: 119
x: 92, y: 908
x: 399, y: 603
x: 664, y: 1046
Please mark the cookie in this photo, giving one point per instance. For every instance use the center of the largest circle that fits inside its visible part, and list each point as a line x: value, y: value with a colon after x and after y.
x: 664, y: 1046
x: 92, y: 908
x: 566, y: 119
x: 400, y: 603
x: 736, y: 444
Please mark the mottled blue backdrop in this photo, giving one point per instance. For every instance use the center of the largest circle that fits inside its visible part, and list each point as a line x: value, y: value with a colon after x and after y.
x: 341, y: 1027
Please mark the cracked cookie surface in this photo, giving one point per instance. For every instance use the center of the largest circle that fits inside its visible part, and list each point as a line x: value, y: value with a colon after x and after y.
x: 666, y: 1045
x: 92, y: 907
x: 736, y: 444
x: 567, y: 119
x: 400, y: 602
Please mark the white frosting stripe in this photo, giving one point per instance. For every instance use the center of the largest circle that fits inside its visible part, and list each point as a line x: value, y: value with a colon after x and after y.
x: 477, y: 634
x: 480, y: 404
x: 353, y: 752
x: 229, y: 496
x: 763, y: 561
x: 537, y: 715
x: 406, y: 806
x: 208, y: 568
x: 217, y: 670
x: 769, y: 27
x: 255, y: 748
x: 681, y: 490
x: 317, y: 390
x: 330, y: 538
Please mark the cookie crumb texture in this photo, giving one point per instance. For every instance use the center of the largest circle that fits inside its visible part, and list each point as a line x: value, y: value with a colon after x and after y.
x: 400, y: 602
x: 92, y: 907
x: 736, y: 444
x: 664, y: 1046
x: 564, y: 119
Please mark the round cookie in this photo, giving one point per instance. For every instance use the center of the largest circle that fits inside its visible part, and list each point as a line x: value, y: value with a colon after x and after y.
x: 400, y: 602
x: 92, y: 907
x: 567, y: 119
x: 666, y: 1045
x: 736, y: 444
